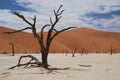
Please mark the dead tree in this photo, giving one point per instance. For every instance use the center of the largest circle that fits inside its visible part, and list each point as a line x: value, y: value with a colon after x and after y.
x: 32, y: 58
x: 12, y: 48
x: 40, y: 37
x: 74, y: 51
x: 112, y: 50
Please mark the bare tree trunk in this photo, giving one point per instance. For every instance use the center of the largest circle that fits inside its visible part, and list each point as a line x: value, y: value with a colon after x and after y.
x: 112, y: 50
x: 13, y: 48
x: 44, y: 58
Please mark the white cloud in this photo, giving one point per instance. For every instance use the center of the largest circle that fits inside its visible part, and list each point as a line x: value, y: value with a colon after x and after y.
x: 73, y: 15
x: 9, y: 20
x: 110, y: 24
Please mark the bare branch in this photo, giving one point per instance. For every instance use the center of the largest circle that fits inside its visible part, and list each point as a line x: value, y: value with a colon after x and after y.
x: 32, y: 58
x: 57, y: 14
x: 17, y: 30
x: 55, y: 30
x: 23, y: 18
x: 43, y: 30
x: 59, y: 8
x: 61, y: 12
x: 32, y: 27
x: 51, y: 21
x: 59, y: 18
x: 34, y: 21
x: 58, y: 32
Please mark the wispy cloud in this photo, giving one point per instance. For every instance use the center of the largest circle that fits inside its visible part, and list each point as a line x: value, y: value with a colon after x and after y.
x: 99, y: 14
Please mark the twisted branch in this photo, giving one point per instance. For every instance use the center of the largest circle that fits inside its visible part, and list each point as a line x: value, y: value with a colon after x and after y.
x: 23, y: 18
x: 18, y: 30
x: 58, y: 32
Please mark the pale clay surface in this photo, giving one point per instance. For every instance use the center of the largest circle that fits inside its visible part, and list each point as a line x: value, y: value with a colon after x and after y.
x: 86, y: 67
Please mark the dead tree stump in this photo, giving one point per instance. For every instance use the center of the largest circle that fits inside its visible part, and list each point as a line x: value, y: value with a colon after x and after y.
x: 36, y: 62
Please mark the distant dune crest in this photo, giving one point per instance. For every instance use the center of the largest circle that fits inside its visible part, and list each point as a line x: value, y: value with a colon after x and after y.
x: 76, y: 40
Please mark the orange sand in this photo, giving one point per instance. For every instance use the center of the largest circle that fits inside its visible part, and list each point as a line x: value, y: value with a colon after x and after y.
x: 81, y: 39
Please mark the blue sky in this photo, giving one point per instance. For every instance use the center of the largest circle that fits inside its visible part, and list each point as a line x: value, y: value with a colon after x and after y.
x: 11, y: 5
x: 97, y: 14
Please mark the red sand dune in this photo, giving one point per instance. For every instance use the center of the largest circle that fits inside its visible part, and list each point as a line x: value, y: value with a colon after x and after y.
x: 81, y: 39
x: 90, y: 40
x: 24, y: 42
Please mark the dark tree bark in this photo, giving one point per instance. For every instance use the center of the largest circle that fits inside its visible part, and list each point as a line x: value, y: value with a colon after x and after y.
x: 12, y: 48
x: 112, y: 50
x: 40, y: 38
x: 32, y: 58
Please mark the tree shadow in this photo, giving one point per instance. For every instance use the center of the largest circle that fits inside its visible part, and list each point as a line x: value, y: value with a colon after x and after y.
x: 86, y: 70
x: 47, y: 71
x: 85, y: 65
x: 55, y: 70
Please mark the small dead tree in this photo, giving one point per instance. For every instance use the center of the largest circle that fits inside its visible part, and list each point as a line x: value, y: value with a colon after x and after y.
x: 112, y: 50
x: 74, y: 51
x: 40, y: 37
x: 12, y: 48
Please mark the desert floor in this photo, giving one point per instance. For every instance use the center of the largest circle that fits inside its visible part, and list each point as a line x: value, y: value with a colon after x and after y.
x: 85, y: 67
